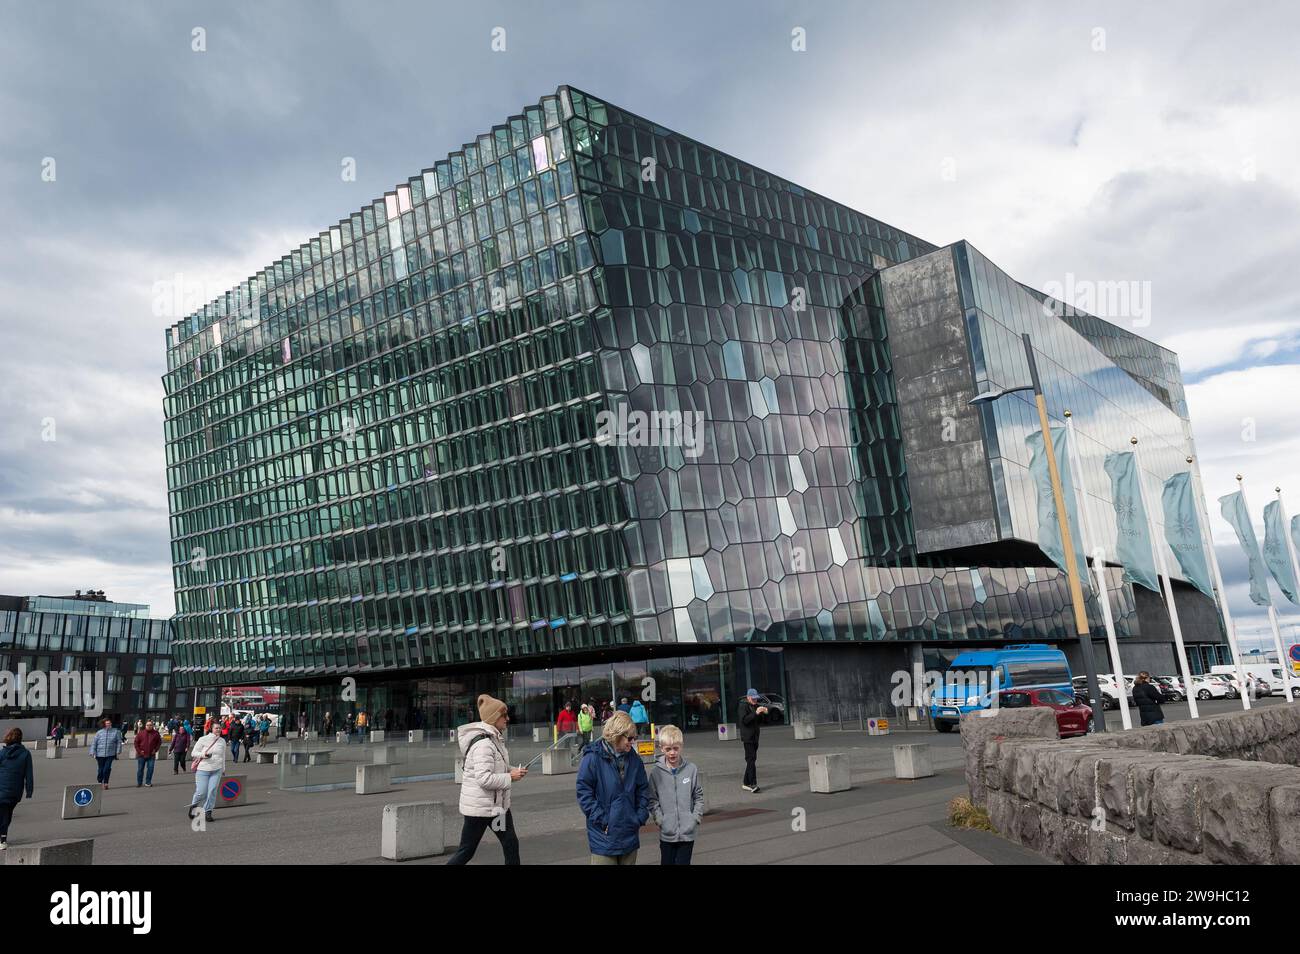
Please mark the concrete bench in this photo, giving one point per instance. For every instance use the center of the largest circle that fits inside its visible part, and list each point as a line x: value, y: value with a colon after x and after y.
x: 541, y: 734
x: 318, y: 757
x: 264, y: 757
x: 804, y: 731
x: 372, y: 779
x: 558, y: 762
x: 82, y: 801
x: 67, y: 851
x: 913, y: 761
x: 384, y: 755
x: 412, y: 830
x: 828, y: 773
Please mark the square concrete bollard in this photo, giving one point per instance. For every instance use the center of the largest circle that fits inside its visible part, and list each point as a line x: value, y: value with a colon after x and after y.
x: 828, y: 773
x: 340, y: 738
x: 877, y: 727
x: 557, y: 762
x: 384, y: 755
x: 803, y: 731
x: 71, y: 742
x: 377, y: 735
x: 451, y: 735
x: 541, y: 734
x: 913, y: 761
x: 373, y: 779
x: 412, y: 830
x: 54, y: 752
x: 309, y: 734
x: 414, y: 735
x: 68, y: 851
x: 727, y: 732
x: 460, y: 771
x: 232, y: 791
x: 82, y: 801
x: 35, y: 745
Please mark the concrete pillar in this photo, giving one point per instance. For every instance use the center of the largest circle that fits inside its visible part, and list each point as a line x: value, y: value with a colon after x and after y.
x: 804, y: 731
x: 557, y: 762
x: 460, y: 770
x: 54, y: 752
x: 372, y: 779
x: 727, y: 732
x: 913, y: 761
x: 412, y: 830
x: 82, y: 801
x: 828, y: 773
x: 340, y: 738
x: 67, y: 851
x: 232, y: 791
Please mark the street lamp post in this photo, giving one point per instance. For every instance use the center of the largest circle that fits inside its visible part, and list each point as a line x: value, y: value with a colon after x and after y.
x: 1063, y: 524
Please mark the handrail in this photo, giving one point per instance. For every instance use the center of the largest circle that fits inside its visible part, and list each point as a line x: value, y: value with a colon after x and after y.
x: 554, y: 745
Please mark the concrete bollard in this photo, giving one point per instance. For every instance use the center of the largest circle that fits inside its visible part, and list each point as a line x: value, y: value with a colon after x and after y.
x: 451, y: 735
x: 828, y: 773
x: 71, y: 742
x: 541, y: 734
x: 377, y: 735
x: 82, y: 801
x: 373, y: 779
x: 35, y: 745
x: 727, y: 732
x: 263, y: 757
x: 460, y: 771
x: 414, y: 735
x: 412, y: 830
x: 384, y: 755
x: 340, y: 738
x: 877, y: 727
x: 67, y: 851
x: 54, y: 752
x: 804, y: 731
x: 557, y: 762
x: 232, y: 791
x: 913, y: 761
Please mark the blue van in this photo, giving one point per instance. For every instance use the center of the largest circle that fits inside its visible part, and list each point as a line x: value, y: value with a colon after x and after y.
x: 973, y: 678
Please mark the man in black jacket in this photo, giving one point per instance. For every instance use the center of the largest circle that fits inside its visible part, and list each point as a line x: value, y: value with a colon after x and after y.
x: 749, y: 717
x: 1146, y: 694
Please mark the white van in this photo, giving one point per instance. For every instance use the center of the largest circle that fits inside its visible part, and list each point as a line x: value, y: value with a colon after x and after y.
x: 1271, y: 673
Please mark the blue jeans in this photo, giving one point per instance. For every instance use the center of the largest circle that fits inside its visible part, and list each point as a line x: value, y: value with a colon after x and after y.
x: 105, y: 768
x: 234, y: 748
x: 205, y: 789
x: 140, y: 776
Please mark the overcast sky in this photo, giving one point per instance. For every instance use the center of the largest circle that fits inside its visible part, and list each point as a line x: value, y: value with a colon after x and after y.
x: 1145, y: 143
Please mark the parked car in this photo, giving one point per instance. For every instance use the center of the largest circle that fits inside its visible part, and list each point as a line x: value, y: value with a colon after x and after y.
x: 975, y: 676
x: 1171, y: 688
x: 1109, y: 690
x: 1207, y: 688
x: 1270, y: 673
x: 1234, y: 688
x: 775, y: 708
x: 1072, y: 717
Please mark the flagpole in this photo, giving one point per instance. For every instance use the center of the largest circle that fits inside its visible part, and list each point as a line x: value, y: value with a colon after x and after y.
x: 1099, y: 570
x: 1295, y: 569
x: 1218, y: 582
x: 1272, y: 612
x: 1166, y: 583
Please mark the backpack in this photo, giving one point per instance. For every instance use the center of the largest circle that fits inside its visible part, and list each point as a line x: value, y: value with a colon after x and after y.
x: 473, y: 742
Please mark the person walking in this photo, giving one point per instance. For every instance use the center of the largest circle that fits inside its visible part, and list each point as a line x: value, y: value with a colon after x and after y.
x: 1146, y: 695
x: 302, y: 723
x: 676, y: 799
x: 749, y: 717
x: 15, y: 777
x: 487, y: 779
x: 104, y: 749
x: 147, y: 743
x: 640, y: 717
x: 56, y: 734
x: 327, y: 730
x: 566, y: 722
x: 235, y: 735
x: 209, y: 764
x: 585, y: 724
x: 613, y: 793
x: 180, y: 746
x: 250, y: 738
x: 623, y: 706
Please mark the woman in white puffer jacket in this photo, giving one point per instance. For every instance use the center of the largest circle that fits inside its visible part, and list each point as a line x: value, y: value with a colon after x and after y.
x: 486, y: 783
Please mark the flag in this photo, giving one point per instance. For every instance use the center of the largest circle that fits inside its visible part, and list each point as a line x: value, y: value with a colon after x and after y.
x: 1233, y: 508
x: 1183, y: 531
x: 1132, y: 529
x: 1049, y: 531
x: 1277, y: 554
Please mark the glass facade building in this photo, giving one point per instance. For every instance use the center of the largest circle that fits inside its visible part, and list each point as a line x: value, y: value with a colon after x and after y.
x: 588, y: 392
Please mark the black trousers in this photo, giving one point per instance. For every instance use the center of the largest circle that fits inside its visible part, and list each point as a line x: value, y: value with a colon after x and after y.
x: 6, y: 816
x: 751, y: 756
x: 471, y: 833
x: 178, y: 762
x: 675, y: 852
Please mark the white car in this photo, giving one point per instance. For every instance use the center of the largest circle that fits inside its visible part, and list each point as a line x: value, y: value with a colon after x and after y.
x: 1207, y: 687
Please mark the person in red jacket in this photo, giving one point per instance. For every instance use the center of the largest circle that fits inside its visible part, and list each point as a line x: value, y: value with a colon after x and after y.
x: 567, y: 721
x: 147, y: 744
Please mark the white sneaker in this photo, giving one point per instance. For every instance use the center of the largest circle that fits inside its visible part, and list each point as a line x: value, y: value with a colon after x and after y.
x: 748, y: 788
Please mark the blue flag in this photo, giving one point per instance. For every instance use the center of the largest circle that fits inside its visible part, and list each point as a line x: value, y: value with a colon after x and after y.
x: 1233, y: 508
x: 1132, y: 529
x: 1049, y: 531
x: 1277, y: 555
x: 1183, y: 531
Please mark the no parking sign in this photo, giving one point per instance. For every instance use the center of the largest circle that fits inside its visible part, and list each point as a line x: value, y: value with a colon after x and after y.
x: 233, y: 790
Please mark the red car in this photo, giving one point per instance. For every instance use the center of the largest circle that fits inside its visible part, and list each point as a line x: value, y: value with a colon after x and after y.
x: 1072, y: 716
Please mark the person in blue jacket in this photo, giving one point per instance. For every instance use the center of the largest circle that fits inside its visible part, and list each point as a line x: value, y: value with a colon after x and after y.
x: 15, y: 777
x: 614, y: 793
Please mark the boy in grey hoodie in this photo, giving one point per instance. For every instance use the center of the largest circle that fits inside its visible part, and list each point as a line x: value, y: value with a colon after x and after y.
x: 676, y: 799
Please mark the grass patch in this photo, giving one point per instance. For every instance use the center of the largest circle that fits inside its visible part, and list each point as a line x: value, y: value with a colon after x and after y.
x: 962, y: 813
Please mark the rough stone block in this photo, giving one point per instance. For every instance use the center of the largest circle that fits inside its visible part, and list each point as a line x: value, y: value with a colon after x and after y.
x: 828, y: 773
x: 1284, y: 819
x: 412, y: 830
x: 978, y: 729
x: 1074, y: 842
x: 1235, y: 801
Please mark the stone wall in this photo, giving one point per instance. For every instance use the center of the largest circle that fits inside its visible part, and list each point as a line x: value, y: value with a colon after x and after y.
x: 1221, y: 790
